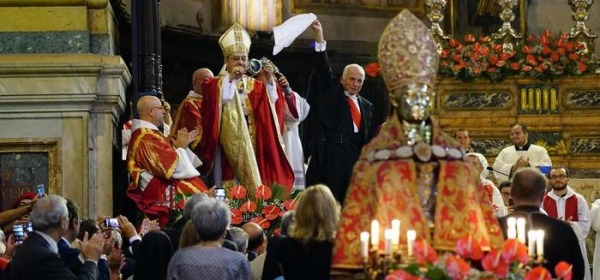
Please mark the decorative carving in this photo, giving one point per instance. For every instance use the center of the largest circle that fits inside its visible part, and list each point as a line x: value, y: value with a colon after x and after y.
x: 489, y: 100
x: 506, y: 34
x: 580, y: 32
x: 582, y: 99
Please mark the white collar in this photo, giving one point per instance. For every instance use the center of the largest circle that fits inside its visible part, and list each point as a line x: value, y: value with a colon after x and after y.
x: 137, y: 124
x: 570, y: 192
x: 193, y: 94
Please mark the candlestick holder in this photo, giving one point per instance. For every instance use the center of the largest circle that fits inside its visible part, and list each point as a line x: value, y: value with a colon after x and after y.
x: 507, y: 34
x: 377, y: 265
x: 580, y: 32
x: 435, y: 15
x: 536, y: 260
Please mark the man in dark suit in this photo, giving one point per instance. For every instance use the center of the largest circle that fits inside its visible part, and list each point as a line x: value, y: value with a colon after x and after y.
x: 72, y: 256
x: 342, y: 124
x: 560, y: 241
x: 38, y: 257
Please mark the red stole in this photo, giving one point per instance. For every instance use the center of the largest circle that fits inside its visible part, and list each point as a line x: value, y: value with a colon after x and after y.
x: 270, y: 155
x: 570, y: 208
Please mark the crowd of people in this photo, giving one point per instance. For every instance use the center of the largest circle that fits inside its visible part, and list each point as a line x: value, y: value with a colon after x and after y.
x: 237, y: 129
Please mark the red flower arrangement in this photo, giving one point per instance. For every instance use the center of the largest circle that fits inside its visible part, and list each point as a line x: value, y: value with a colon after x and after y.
x: 545, y: 57
x: 264, y: 206
x: 508, y: 263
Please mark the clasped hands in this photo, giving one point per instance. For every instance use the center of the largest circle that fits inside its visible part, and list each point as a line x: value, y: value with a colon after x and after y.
x: 185, y: 137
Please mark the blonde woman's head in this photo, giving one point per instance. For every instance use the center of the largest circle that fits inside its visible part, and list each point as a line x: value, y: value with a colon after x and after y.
x: 317, y: 215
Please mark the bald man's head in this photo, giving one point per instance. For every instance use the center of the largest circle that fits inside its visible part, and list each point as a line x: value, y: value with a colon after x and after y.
x: 256, y: 237
x: 198, y: 78
x: 150, y: 109
x: 528, y: 187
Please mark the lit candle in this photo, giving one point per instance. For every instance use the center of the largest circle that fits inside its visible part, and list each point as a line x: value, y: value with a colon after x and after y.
x: 395, y: 232
x: 388, y: 241
x: 411, y: 235
x: 539, y: 240
x: 521, y: 230
x: 364, y: 244
x: 532, y: 234
x: 512, y: 229
x: 375, y: 234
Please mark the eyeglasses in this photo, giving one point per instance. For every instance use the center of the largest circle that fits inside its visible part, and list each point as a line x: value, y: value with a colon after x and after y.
x: 158, y: 107
x: 561, y: 176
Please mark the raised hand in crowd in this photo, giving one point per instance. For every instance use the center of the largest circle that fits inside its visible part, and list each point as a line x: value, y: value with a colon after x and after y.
x: 127, y: 227
x: 91, y: 248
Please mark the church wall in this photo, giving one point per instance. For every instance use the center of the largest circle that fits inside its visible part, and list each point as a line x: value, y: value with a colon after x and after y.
x: 62, y: 90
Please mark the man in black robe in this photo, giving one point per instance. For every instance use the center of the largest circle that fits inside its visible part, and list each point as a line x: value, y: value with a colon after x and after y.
x: 342, y: 124
x: 560, y: 241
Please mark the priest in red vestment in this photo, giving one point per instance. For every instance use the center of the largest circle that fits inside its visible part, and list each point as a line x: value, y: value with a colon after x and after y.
x: 241, y: 136
x: 188, y: 113
x: 163, y: 171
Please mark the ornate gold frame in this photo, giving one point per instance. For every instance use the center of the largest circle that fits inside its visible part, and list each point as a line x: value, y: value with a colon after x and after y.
x: 452, y: 13
x: 49, y: 146
x: 356, y: 9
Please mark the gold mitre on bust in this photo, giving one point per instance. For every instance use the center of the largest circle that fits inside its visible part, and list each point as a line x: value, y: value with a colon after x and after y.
x: 235, y: 40
x: 407, y: 52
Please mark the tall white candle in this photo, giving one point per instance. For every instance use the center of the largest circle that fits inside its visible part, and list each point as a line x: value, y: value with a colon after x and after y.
x: 521, y: 230
x: 411, y: 235
x: 364, y: 244
x: 375, y: 234
x: 388, y: 241
x: 511, y: 222
x: 395, y: 232
x: 532, y: 234
x: 540, y: 242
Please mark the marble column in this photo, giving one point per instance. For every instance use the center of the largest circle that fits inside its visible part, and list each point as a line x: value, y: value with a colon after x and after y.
x: 62, y: 89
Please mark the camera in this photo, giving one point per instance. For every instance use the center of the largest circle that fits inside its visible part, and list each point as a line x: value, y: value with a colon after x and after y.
x: 111, y: 223
x: 19, y: 233
x: 220, y: 194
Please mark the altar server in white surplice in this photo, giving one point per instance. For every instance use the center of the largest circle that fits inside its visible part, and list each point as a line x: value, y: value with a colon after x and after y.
x: 521, y: 154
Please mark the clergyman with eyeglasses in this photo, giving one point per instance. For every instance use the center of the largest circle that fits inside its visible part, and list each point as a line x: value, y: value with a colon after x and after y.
x: 563, y: 203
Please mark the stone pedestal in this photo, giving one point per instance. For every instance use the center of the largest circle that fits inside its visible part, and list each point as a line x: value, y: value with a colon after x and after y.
x: 62, y: 90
